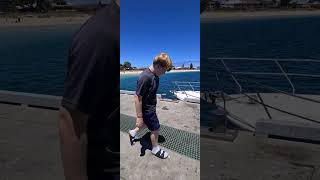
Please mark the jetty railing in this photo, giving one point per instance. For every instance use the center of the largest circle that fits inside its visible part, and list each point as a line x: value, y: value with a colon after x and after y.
x: 184, y: 86
x: 238, y: 75
x: 277, y: 63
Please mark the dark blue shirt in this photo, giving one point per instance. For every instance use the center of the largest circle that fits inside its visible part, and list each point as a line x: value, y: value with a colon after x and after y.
x: 147, y: 87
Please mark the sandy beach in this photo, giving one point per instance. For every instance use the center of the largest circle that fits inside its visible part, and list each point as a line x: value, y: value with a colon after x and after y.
x: 42, y: 20
x: 234, y: 15
x: 172, y: 71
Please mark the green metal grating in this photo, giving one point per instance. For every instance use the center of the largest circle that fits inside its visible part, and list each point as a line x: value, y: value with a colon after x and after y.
x: 183, y: 142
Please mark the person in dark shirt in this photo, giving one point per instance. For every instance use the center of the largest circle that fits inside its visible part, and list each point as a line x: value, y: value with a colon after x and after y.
x: 146, y: 101
x: 89, y: 115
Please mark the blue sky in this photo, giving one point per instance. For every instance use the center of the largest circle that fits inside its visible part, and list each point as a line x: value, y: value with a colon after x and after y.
x: 149, y: 27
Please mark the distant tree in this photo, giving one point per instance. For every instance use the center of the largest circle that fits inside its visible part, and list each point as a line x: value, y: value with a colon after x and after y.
x: 60, y: 2
x: 284, y: 3
x: 217, y: 4
x: 191, y: 66
x: 204, y: 5
x: 43, y: 5
x: 127, y: 65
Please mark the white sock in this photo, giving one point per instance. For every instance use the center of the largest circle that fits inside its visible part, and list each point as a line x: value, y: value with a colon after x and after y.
x: 132, y: 133
x: 155, y: 149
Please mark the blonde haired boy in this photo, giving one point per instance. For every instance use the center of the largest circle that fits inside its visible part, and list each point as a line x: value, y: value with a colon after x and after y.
x: 146, y: 101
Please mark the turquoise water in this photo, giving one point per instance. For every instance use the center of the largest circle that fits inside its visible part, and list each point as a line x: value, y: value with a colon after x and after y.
x: 128, y: 82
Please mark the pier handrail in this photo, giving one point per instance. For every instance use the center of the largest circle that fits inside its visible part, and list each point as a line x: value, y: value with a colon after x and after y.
x: 236, y: 78
x: 188, y: 84
x: 265, y: 59
x: 276, y: 61
x: 191, y: 85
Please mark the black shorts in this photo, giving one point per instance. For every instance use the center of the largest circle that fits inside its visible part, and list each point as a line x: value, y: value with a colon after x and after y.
x: 151, y: 120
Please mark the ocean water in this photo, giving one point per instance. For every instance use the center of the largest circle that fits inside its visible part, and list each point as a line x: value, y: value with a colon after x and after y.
x: 129, y: 82
x: 290, y: 37
x: 33, y: 59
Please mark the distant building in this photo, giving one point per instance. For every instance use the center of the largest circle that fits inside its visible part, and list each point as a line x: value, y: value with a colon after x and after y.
x: 269, y: 3
x: 214, y: 4
x: 240, y: 3
x: 315, y: 4
x: 300, y: 3
x: 4, y: 5
x: 91, y: 6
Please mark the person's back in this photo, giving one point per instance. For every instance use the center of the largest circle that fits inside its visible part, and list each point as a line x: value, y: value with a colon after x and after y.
x: 148, y: 84
x: 92, y: 88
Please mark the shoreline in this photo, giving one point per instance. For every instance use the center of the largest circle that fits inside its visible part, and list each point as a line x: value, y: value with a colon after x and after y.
x: 210, y: 16
x: 36, y: 20
x: 172, y: 71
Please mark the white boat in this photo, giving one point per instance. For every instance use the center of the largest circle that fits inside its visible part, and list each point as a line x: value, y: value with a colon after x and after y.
x: 266, y: 109
x: 187, y: 91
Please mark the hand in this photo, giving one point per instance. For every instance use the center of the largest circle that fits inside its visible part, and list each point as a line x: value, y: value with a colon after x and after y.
x: 139, y: 122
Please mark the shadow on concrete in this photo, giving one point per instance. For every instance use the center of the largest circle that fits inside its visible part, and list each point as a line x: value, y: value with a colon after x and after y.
x: 145, y: 142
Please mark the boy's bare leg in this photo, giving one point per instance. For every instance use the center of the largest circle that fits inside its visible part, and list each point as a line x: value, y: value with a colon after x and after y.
x: 156, y: 150
x: 154, y: 138
x: 73, y: 144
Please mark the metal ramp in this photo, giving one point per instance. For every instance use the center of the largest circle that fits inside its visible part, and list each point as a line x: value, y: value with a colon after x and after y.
x: 183, y: 142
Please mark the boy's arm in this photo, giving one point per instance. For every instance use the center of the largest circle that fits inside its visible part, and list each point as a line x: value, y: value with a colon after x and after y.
x: 138, y: 105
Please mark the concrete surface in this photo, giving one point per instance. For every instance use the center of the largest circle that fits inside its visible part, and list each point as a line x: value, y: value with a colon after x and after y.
x: 29, y: 144
x: 252, y: 158
x: 179, y: 115
x: 134, y: 167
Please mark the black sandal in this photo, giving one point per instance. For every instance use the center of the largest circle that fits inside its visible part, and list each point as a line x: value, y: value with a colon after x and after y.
x: 132, y: 139
x: 160, y: 154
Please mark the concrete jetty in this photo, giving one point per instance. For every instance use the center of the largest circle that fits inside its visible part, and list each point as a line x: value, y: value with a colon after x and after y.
x: 29, y: 148
x: 180, y: 123
x: 250, y: 158
x: 29, y: 144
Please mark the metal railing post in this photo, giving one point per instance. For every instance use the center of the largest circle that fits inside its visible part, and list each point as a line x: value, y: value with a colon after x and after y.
x: 227, y: 68
x: 285, y: 74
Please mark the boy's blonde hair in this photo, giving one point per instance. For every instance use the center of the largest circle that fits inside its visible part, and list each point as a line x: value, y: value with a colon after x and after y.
x: 163, y: 60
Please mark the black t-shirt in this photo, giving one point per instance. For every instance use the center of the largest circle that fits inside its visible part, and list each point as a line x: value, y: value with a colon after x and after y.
x: 92, y: 82
x: 147, y: 87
